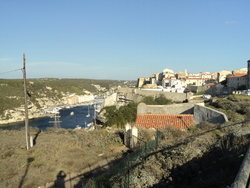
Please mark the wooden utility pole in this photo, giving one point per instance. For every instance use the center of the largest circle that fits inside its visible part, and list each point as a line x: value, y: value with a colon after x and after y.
x: 27, y: 131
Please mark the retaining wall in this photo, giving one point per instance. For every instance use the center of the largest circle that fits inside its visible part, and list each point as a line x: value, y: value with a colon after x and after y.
x: 183, y: 108
x: 132, y: 92
x: 110, y: 100
x: 202, y: 113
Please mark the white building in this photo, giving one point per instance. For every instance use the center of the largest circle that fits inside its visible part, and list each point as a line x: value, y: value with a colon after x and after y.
x: 197, y: 81
x: 85, y: 98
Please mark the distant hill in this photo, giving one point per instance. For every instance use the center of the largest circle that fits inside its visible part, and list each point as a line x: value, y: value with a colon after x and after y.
x: 12, y: 93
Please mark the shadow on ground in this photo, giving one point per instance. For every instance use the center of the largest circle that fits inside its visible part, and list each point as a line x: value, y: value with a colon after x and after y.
x: 216, y: 168
x: 78, y: 181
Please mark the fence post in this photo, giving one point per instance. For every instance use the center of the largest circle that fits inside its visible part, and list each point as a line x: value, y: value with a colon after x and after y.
x: 158, y: 134
x: 128, y: 171
x: 242, y: 178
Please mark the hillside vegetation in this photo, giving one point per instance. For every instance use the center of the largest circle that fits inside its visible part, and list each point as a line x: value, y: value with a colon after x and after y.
x: 127, y: 114
x: 12, y: 93
x: 236, y: 107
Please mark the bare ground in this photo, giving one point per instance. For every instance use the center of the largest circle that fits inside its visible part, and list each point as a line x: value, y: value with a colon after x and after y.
x: 209, y: 156
x: 73, y: 152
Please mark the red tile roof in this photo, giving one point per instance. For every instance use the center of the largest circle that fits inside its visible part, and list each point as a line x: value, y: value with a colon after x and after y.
x: 161, y: 121
x: 210, y: 84
x: 237, y: 75
x: 195, y: 78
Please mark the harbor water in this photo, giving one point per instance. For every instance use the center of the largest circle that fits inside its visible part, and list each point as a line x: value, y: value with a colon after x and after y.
x: 69, y: 118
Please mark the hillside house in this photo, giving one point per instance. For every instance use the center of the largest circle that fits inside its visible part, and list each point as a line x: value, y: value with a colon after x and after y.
x: 72, y: 99
x: 197, y: 81
x: 206, y: 75
x: 235, y: 81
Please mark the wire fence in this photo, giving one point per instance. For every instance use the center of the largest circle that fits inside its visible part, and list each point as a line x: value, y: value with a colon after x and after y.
x: 120, y: 176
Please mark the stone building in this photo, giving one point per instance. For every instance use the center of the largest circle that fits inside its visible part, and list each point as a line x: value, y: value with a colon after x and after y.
x: 195, y: 81
x: 237, y: 80
x: 167, y: 73
x: 240, y: 71
x: 73, y: 99
x: 180, y: 75
x: 142, y: 81
x: 222, y: 75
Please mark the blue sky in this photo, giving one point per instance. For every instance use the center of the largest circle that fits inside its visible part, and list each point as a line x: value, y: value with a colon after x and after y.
x: 122, y: 40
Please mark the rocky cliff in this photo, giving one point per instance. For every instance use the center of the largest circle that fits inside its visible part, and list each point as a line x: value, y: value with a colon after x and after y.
x: 35, y: 109
x: 42, y: 95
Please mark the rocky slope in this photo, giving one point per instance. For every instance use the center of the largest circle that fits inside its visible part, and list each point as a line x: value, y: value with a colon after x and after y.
x: 209, y: 158
x: 17, y: 114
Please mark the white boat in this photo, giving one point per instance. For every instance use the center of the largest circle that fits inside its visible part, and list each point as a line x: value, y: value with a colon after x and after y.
x: 88, y: 113
x: 90, y: 124
x: 78, y: 127
x: 98, y: 108
x: 72, y: 113
x: 55, y: 110
x: 85, y: 124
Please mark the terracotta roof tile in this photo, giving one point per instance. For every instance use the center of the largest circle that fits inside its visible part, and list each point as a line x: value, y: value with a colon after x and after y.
x: 237, y: 75
x: 210, y: 84
x: 161, y: 121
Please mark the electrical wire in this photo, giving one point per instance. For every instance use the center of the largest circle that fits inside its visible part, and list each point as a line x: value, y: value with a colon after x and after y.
x: 10, y: 71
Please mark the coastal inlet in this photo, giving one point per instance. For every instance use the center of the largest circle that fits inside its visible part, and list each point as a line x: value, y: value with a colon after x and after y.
x: 69, y: 118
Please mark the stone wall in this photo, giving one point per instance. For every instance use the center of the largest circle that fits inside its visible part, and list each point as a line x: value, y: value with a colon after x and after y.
x: 183, y: 108
x: 132, y: 94
x: 202, y: 113
x: 110, y: 100
x: 217, y: 90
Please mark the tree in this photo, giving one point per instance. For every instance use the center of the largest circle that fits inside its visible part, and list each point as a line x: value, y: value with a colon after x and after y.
x: 149, y: 100
x: 162, y: 100
x: 121, y: 116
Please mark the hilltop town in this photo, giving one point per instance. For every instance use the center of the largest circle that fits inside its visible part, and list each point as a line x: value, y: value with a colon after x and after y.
x: 223, y: 82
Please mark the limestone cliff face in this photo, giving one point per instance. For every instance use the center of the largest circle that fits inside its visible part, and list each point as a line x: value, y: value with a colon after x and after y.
x: 35, y: 110
x: 38, y: 107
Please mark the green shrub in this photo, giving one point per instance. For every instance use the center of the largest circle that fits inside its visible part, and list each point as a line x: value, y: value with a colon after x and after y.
x: 234, y: 116
x: 235, y: 107
x: 216, y: 134
x: 128, y: 113
x: 121, y: 116
x: 149, y: 100
x: 160, y: 100
x: 205, y: 125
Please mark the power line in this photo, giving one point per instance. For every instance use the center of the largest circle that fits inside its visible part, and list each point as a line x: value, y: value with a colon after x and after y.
x: 10, y: 71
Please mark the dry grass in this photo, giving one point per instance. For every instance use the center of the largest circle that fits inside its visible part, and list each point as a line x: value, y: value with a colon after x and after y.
x: 55, y: 151
x: 72, y: 151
